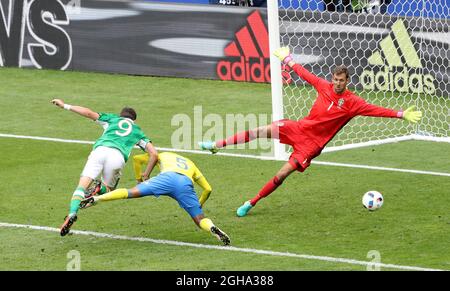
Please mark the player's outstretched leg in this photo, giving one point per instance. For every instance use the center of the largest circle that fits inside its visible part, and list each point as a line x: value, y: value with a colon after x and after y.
x: 68, y: 222
x: 222, y: 236
x: 207, y: 225
x: 265, y: 191
x: 239, y: 138
x: 121, y: 193
x: 208, y: 145
x: 265, y: 131
x: 244, y: 209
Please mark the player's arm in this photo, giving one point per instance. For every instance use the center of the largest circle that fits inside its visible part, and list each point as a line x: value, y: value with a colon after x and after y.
x: 138, y: 162
x: 367, y: 109
x: 152, y: 160
x: 83, y: 111
x: 285, y: 56
x: 202, y: 182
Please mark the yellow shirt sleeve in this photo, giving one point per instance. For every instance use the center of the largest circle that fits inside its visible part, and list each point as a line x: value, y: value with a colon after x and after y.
x: 138, y: 162
x: 202, y: 182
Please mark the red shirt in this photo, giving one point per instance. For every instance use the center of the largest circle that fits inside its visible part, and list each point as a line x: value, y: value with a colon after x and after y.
x: 331, y: 111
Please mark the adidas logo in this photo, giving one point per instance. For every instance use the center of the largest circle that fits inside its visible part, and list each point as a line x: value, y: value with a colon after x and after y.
x: 397, y: 66
x: 248, y: 57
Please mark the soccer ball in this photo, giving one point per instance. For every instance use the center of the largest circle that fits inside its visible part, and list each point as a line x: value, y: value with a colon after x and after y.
x: 372, y: 200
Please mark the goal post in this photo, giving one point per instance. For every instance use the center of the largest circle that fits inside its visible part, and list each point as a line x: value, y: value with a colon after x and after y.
x: 397, y: 55
x: 279, y: 149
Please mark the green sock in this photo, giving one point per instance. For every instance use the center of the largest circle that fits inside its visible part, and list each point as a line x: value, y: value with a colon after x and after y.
x: 103, y: 190
x: 77, y: 196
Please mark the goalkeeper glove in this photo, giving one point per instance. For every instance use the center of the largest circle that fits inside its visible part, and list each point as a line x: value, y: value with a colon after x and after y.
x: 283, y: 54
x: 411, y: 115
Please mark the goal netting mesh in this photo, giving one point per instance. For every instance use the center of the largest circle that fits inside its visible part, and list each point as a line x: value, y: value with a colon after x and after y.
x: 398, y: 55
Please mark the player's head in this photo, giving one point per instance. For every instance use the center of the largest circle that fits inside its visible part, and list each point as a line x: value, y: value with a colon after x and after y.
x: 340, y: 79
x: 128, y: 112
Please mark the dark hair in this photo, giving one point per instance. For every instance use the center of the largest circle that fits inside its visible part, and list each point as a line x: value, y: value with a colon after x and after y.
x: 341, y: 70
x: 128, y: 112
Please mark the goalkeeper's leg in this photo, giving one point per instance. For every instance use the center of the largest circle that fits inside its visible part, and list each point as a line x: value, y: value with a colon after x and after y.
x: 268, y: 188
x: 246, y: 136
x: 265, y: 131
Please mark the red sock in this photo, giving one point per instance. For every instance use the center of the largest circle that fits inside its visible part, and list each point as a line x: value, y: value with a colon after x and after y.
x: 241, y: 137
x: 271, y: 186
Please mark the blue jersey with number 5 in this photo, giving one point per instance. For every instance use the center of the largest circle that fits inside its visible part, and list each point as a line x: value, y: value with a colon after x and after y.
x: 120, y: 133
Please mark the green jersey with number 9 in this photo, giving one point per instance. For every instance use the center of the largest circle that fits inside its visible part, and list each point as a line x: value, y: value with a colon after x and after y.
x: 120, y: 133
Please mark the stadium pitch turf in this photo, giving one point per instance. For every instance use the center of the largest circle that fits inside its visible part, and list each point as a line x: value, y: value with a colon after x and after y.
x: 317, y: 213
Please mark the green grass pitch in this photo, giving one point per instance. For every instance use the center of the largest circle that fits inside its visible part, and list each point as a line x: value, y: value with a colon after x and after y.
x: 317, y: 213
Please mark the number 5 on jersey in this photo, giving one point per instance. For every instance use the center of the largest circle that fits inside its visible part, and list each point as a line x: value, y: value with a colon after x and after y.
x: 181, y: 163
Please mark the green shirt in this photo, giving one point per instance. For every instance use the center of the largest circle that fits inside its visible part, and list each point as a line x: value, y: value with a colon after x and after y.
x: 120, y: 133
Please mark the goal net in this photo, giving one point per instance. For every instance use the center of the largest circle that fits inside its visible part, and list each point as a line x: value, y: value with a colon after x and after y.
x: 398, y: 55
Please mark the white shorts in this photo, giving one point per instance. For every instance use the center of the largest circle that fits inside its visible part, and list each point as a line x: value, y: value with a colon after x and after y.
x: 106, y: 161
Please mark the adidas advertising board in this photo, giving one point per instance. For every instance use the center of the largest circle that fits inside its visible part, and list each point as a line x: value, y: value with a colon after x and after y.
x: 247, y: 57
x: 388, y: 72
x: 385, y: 53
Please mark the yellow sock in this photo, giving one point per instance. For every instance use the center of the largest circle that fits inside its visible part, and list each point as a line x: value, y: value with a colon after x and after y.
x: 114, y: 195
x: 206, y: 224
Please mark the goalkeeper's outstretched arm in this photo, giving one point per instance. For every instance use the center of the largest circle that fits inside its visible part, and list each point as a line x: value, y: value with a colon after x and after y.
x: 366, y: 109
x: 285, y: 56
x: 412, y: 115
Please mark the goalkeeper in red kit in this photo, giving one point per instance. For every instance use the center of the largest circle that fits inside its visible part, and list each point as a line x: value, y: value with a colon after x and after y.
x: 334, y: 107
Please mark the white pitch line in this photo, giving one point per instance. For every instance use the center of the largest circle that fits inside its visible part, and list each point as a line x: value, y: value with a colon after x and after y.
x: 158, y: 148
x: 223, y: 248
x: 381, y: 168
x: 241, y: 156
x: 46, y: 138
